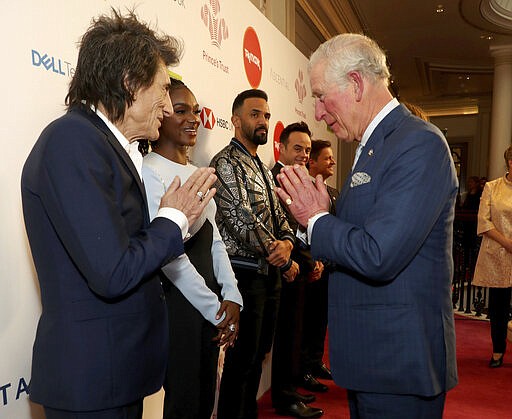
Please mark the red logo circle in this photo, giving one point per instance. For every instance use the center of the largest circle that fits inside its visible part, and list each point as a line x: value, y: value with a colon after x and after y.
x: 277, y: 133
x: 253, y: 62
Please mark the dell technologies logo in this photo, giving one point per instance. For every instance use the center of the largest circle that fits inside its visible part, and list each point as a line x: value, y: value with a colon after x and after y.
x: 53, y: 64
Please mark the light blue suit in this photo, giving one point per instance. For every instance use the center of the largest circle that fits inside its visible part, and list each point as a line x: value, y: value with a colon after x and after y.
x: 391, y: 326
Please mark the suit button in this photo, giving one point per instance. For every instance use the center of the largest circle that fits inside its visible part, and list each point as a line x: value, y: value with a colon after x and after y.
x: 162, y: 297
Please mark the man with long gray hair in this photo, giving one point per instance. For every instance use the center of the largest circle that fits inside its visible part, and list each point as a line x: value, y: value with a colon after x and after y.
x: 101, y: 342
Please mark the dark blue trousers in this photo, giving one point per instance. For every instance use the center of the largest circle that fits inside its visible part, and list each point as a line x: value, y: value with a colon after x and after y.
x: 394, y: 406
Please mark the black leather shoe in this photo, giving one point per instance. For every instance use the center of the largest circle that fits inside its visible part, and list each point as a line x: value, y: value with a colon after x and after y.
x: 321, y: 371
x: 296, y: 396
x: 305, y: 398
x: 299, y: 410
x: 496, y: 363
x: 312, y: 384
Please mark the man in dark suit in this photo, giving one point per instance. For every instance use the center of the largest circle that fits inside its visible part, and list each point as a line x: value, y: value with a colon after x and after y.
x: 101, y: 342
x: 294, y: 148
x: 391, y: 329
x: 321, y: 162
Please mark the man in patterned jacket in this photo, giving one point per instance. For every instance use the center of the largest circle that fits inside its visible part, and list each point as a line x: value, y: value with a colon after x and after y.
x: 259, y: 242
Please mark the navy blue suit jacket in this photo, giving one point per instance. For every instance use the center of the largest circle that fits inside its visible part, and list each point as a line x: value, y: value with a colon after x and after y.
x: 102, y: 337
x: 391, y: 324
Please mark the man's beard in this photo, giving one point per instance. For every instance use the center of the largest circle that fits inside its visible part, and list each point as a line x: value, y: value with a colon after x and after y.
x: 258, y: 139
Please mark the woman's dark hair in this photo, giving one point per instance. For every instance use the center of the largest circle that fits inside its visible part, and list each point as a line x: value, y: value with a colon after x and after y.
x: 118, y: 55
x: 177, y: 84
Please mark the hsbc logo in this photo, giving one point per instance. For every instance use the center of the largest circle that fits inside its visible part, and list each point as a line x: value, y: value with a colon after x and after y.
x: 207, y: 118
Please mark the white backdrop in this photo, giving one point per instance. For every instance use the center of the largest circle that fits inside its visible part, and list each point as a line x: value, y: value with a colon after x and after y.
x: 229, y: 47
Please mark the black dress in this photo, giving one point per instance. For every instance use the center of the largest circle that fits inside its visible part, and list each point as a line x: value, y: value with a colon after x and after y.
x: 193, y: 357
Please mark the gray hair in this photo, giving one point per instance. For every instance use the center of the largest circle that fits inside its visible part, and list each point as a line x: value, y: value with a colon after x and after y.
x: 351, y: 52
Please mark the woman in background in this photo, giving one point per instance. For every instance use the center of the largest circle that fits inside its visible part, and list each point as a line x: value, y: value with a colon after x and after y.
x: 198, y: 321
x: 494, y: 264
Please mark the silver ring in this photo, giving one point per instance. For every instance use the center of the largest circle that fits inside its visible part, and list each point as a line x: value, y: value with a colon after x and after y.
x: 288, y: 201
x: 200, y: 195
x: 231, y: 327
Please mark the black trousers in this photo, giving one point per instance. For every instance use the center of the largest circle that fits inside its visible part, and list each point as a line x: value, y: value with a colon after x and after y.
x: 315, y: 324
x: 243, y: 362
x: 131, y: 411
x: 499, y: 309
x: 191, y: 374
x: 287, y: 342
x: 192, y: 362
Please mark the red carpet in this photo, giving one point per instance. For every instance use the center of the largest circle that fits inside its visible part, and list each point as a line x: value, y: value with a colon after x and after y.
x: 482, y: 393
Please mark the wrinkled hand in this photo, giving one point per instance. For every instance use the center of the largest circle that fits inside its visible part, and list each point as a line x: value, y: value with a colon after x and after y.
x: 316, y: 273
x: 302, y: 198
x: 192, y: 197
x: 279, y: 252
x: 225, y: 335
x: 291, y: 274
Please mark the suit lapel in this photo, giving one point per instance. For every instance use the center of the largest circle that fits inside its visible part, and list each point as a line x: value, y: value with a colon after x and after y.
x: 333, y: 195
x: 343, y: 194
x: 373, y: 148
x: 378, y: 137
x: 116, y: 145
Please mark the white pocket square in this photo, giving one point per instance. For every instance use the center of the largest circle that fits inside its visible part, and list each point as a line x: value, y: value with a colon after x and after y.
x: 360, y: 178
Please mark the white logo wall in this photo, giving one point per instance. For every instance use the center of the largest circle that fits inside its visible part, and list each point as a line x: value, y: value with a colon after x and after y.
x: 39, y: 51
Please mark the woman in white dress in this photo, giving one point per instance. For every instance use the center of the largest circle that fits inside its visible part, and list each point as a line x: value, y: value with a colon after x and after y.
x: 203, y: 300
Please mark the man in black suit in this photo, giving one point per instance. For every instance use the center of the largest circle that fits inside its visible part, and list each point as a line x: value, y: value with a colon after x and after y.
x: 294, y: 149
x: 321, y: 162
x: 101, y: 342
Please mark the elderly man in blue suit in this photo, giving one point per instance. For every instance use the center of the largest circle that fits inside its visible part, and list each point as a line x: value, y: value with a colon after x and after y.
x: 101, y: 342
x: 391, y: 329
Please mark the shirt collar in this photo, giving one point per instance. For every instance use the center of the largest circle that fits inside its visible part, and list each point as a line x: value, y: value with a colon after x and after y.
x: 120, y: 137
x: 392, y: 104
x: 131, y: 148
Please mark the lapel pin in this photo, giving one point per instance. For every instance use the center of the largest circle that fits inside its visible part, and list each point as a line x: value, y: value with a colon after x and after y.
x: 370, y: 152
